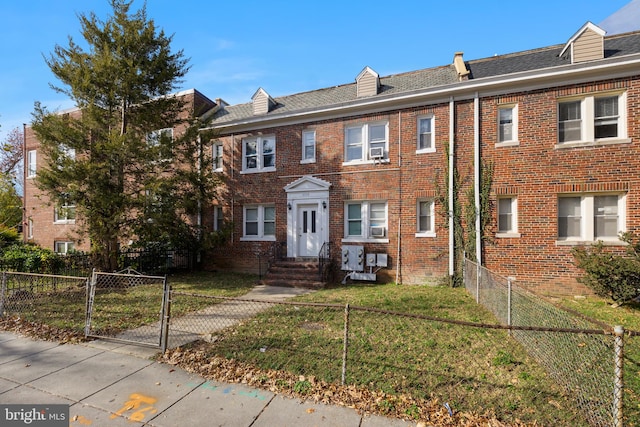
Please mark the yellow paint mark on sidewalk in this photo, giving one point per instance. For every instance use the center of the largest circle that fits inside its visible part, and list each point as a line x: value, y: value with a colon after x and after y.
x: 136, y: 403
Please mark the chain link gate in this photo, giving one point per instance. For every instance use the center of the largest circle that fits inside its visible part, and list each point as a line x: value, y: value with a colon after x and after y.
x: 128, y: 307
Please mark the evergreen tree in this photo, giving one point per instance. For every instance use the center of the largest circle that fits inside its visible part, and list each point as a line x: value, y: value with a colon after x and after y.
x: 116, y: 160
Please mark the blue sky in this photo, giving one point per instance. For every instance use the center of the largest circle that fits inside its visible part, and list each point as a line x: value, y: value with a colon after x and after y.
x: 287, y: 47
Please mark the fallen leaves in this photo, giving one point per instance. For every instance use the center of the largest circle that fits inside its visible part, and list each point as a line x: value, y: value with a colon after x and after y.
x: 39, y: 330
x: 429, y: 412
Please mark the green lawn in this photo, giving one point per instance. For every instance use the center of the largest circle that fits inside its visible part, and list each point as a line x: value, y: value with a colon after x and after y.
x: 471, y: 369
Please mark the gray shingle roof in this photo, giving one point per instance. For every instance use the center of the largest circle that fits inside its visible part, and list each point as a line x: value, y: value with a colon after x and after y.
x: 536, y: 59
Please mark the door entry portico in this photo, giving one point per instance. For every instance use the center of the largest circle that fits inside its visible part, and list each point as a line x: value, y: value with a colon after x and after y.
x: 307, y: 217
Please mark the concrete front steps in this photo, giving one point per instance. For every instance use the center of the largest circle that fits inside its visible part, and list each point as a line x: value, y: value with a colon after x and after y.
x: 302, y: 273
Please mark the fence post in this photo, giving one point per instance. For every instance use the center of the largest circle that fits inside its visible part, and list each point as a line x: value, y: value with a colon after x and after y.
x: 345, y: 343
x: 478, y: 277
x: 166, y: 315
x: 509, y: 303
x: 618, y: 387
x: 3, y: 292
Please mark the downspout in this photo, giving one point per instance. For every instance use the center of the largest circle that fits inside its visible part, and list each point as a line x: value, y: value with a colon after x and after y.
x: 233, y: 199
x: 476, y: 167
x: 451, y: 195
x: 25, y: 168
x: 398, y: 260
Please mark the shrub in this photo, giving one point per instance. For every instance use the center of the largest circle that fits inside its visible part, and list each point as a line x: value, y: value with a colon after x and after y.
x: 30, y: 259
x: 611, y: 275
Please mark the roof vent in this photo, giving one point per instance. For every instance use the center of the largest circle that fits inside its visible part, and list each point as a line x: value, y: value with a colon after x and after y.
x: 262, y: 102
x: 367, y: 83
x: 585, y: 45
x: 461, y: 67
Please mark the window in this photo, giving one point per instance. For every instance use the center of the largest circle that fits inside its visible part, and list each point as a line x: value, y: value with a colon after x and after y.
x: 592, y: 118
x: 507, y: 215
x: 507, y: 123
x: 426, y: 218
x: 160, y: 140
x: 30, y: 228
x: 63, y: 247
x: 65, y: 213
x: 366, y: 220
x: 218, y: 218
x: 591, y: 217
x: 31, y: 163
x: 217, y: 157
x: 259, y: 222
x: 259, y: 154
x: 366, y: 142
x: 68, y: 152
x: 426, y: 135
x: 308, y: 146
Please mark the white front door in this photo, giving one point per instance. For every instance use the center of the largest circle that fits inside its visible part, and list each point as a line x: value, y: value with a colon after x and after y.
x: 308, y: 229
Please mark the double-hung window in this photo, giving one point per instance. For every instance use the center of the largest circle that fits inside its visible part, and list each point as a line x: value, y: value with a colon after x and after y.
x: 160, y: 141
x: 595, y: 118
x: 366, y: 220
x: 259, y: 154
x: 507, y: 216
x: 65, y: 213
x: 426, y: 218
x: 366, y: 142
x: 508, y: 124
x: 259, y: 222
x: 426, y: 135
x: 217, y: 157
x: 591, y: 217
x: 308, y: 146
x: 31, y: 163
x: 218, y: 218
x: 63, y: 247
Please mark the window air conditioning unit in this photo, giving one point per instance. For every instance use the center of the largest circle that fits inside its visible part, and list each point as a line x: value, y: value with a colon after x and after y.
x: 376, y: 152
x: 377, y: 231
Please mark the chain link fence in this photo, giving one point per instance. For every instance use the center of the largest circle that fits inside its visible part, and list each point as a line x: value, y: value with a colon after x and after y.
x: 583, y: 355
x: 128, y: 307
x: 396, y: 353
x: 42, y: 295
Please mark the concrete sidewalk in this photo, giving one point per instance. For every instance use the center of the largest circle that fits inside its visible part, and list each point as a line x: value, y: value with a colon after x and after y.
x: 109, y: 384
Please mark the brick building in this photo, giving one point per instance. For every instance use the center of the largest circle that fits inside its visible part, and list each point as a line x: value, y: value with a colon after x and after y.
x: 370, y: 164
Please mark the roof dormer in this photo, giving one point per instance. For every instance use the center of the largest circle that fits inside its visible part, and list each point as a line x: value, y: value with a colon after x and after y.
x: 262, y: 102
x: 367, y: 83
x: 585, y: 45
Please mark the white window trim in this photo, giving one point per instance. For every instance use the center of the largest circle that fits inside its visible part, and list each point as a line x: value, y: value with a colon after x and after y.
x: 365, y: 144
x: 66, y: 246
x: 587, y: 125
x: 31, y: 163
x: 259, y: 154
x: 514, y: 218
x: 514, y: 141
x: 29, y: 228
x: 58, y: 220
x: 315, y: 144
x: 217, y: 158
x: 260, y: 237
x: 587, y: 225
x: 366, y: 222
x: 432, y: 231
x: 431, y: 149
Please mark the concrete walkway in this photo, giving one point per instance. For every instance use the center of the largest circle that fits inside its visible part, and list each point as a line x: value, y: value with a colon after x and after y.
x: 202, y: 323
x: 104, y: 385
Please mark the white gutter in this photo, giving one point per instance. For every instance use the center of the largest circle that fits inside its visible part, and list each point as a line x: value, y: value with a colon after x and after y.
x: 452, y: 245
x: 476, y: 167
